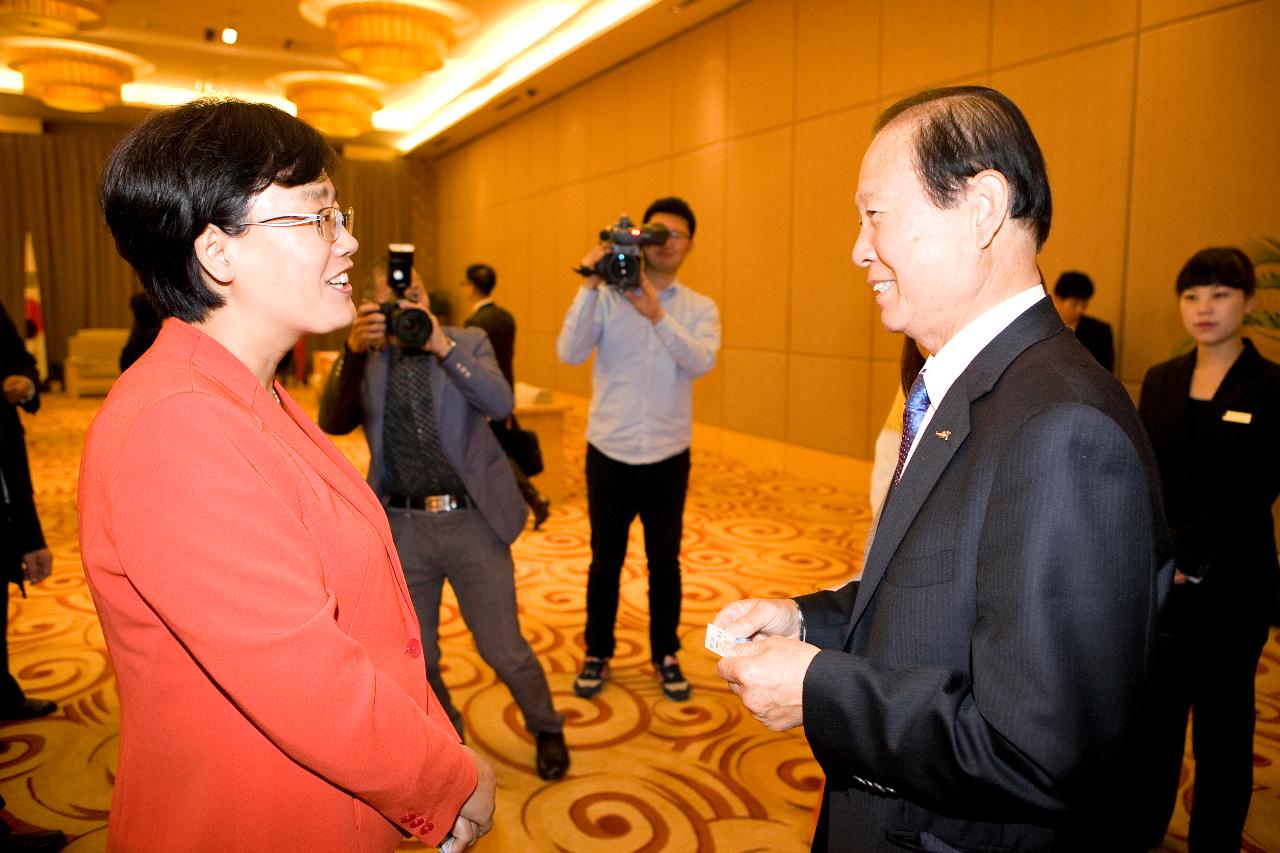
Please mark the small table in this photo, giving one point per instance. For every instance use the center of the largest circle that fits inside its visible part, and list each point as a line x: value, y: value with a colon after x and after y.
x: 547, y: 420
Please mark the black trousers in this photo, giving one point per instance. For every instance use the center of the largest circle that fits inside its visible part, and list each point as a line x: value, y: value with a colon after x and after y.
x: 11, y: 694
x: 616, y: 494
x: 1208, y: 668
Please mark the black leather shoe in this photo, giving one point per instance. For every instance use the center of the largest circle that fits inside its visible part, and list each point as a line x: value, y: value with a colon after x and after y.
x: 28, y: 709
x: 39, y: 841
x: 553, y: 755
x: 541, y: 509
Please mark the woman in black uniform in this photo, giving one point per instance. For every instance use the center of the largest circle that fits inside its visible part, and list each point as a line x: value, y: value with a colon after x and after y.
x: 1214, y: 420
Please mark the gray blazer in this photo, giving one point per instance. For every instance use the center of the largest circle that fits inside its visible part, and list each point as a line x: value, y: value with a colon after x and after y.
x: 467, y: 389
x: 982, y: 685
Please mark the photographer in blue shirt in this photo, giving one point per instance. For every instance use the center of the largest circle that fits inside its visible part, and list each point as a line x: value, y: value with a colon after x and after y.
x: 651, y: 341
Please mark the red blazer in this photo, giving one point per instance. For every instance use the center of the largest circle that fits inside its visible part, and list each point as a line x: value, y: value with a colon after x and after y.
x: 273, y: 694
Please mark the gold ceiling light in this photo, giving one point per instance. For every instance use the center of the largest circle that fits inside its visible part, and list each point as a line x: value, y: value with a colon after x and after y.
x: 71, y: 75
x: 50, y: 17
x: 336, y: 104
x: 396, y: 41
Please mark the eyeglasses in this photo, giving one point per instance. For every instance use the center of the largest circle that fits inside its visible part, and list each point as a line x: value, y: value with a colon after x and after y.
x: 327, y: 221
x: 673, y: 234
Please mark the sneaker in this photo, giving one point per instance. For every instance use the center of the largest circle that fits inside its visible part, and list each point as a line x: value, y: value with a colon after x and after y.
x: 674, y: 684
x: 595, y: 671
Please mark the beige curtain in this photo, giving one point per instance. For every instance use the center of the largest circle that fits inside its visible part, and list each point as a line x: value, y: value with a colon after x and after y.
x: 21, y: 204
x: 83, y: 281
x: 50, y: 185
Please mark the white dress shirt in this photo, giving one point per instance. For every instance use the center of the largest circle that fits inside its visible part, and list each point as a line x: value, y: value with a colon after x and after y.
x: 642, y: 393
x: 944, y: 367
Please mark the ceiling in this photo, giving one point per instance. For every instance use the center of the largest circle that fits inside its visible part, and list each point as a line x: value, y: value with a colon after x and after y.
x: 513, y: 56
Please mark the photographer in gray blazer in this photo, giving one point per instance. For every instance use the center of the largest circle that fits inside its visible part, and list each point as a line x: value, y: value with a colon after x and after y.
x: 425, y: 394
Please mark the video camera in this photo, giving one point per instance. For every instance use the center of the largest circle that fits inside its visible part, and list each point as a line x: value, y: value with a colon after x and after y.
x: 620, y: 268
x: 411, y: 327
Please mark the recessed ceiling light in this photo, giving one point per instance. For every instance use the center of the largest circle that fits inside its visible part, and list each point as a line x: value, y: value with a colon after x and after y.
x: 229, y: 35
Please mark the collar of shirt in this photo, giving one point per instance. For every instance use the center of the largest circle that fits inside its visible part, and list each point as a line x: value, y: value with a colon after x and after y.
x: 483, y: 302
x: 945, y: 366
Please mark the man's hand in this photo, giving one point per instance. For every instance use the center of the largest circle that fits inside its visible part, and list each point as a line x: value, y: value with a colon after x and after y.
x: 439, y: 343
x: 369, y: 329
x: 37, y: 564
x: 768, y: 676
x: 478, y: 809
x: 589, y: 261
x: 464, y: 834
x: 645, y: 300
x: 18, y: 389
x: 769, y: 617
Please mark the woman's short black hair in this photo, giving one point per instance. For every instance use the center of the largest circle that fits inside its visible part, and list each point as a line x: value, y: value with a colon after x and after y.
x: 1223, y: 265
x: 963, y: 130
x: 675, y: 207
x: 197, y: 164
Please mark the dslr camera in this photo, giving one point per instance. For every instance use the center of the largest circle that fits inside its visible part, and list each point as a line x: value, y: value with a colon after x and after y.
x: 620, y: 268
x: 411, y: 327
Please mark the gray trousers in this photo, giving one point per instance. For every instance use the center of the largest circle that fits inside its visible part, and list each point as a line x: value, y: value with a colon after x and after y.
x: 462, y: 547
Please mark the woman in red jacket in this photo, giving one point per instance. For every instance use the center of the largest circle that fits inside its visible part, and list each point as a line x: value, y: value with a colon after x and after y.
x: 272, y: 688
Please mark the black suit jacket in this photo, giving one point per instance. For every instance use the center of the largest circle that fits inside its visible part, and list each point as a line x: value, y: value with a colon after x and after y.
x: 983, y: 682
x: 22, y: 533
x: 1221, y: 475
x: 500, y: 326
x: 1096, y: 337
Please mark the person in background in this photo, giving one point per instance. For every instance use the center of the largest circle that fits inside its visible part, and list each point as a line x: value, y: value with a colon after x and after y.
x: 650, y: 343
x: 500, y: 326
x: 1214, y: 418
x: 890, y: 437
x: 449, y: 492
x: 27, y: 559
x: 146, y: 326
x: 272, y: 688
x: 440, y: 303
x: 1071, y: 295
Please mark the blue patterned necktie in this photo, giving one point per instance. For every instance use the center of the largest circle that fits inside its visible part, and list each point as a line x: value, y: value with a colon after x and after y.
x: 912, y: 416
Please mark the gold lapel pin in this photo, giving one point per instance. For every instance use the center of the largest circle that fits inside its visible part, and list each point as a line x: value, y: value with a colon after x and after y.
x: 945, y: 434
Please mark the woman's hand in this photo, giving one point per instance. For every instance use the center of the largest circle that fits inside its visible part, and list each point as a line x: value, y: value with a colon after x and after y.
x: 478, y: 809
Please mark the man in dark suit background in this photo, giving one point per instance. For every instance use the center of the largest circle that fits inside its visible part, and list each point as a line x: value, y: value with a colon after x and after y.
x: 981, y: 686
x: 450, y: 496
x: 500, y: 326
x: 1071, y: 295
x: 25, y: 555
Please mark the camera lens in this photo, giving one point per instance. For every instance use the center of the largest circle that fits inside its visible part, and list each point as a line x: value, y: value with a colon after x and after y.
x: 411, y: 327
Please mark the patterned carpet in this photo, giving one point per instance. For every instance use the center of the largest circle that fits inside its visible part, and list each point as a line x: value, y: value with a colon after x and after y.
x: 648, y: 774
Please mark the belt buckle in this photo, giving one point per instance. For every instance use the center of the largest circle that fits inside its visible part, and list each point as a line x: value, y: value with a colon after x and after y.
x: 439, y: 503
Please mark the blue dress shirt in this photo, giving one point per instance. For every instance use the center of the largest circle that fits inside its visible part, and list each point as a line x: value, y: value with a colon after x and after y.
x: 642, y: 397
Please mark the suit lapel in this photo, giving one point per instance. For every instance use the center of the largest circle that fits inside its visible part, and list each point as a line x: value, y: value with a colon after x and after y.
x: 944, y: 436
x: 1239, y: 381
x: 906, y: 497
x: 311, y: 444
x: 306, y: 439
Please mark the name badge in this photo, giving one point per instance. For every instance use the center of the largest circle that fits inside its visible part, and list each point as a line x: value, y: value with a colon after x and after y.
x: 1233, y: 417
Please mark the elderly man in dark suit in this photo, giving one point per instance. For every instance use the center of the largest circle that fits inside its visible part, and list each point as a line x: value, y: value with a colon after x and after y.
x: 981, y: 686
x: 500, y: 326
x: 449, y: 492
